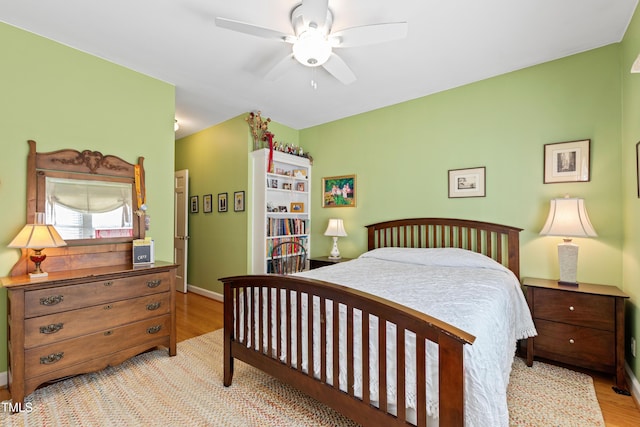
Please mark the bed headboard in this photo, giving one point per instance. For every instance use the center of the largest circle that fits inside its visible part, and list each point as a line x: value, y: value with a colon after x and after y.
x: 500, y: 242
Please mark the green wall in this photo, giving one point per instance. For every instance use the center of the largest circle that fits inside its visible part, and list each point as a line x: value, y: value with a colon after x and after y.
x: 631, y: 202
x: 63, y: 98
x: 401, y: 156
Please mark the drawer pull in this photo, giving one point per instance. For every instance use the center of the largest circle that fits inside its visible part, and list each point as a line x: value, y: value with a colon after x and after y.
x: 52, y: 358
x: 571, y: 341
x: 154, y: 329
x: 51, y: 329
x: 107, y: 333
x: 52, y: 300
x: 571, y: 308
x: 153, y: 306
x: 154, y: 283
x: 109, y: 283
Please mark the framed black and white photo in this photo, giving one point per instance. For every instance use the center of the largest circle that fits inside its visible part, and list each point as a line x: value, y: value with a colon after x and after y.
x: 194, y: 204
x: 467, y: 182
x: 567, y: 161
x: 238, y: 201
x: 207, y: 201
x: 222, y: 202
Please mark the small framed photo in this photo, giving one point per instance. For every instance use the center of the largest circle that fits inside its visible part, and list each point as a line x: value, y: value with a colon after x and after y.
x: 638, y: 167
x: 339, y: 191
x: 207, y: 203
x: 297, y: 207
x: 467, y: 182
x: 238, y: 201
x: 273, y: 183
x: 222, y: 202
x: 194, y: 204
x: 300, y: 186
x: 299, y: 173
x: 567, y: 161
x: 286, y: 186
x: 282, y: 209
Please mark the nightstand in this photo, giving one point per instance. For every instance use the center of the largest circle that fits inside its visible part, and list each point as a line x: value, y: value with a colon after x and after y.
x: 324, y: 261
x: 578, y: 325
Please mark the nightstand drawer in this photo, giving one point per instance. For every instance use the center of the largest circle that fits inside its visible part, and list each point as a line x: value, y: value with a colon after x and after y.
x: 576, y: 345
x: 593, y: 311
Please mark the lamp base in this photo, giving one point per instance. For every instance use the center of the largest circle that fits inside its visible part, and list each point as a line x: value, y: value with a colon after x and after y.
x: 563, y: 283
x: 568, y: 261
x: 38, y: 275
x: 335, y: 253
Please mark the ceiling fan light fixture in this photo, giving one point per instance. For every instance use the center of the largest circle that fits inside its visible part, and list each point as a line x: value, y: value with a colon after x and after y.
x: 312, y: 48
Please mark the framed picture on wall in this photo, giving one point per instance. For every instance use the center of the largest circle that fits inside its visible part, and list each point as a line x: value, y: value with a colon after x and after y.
x: 194, y: 204
x: 222, y: 202
x: 567, y: 161
x: 638, y: 166
x: 238, y: 201
x: 339, y: 191
x: 467, y: 182
x: 207, y: 203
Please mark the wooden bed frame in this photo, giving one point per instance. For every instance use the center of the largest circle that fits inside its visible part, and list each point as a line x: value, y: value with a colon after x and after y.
x: 250, y: 294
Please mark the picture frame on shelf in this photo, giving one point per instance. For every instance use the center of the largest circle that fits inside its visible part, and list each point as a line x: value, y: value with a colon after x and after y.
x: 222, y: 202
x: 238, y: 201
x: 300, y: 186
x: 299, y: 173
x: 469, y: 182
x: 273, y: 183
x: 297, y: 207
x: 339, y: 191
x: 286, y: 186
x: 207, y: 201
x: 194, y: 204
x: 638, y: 167
x: 567, y: 161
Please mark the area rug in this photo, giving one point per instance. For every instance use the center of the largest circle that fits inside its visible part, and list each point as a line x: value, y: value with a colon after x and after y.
x: 186, y: 390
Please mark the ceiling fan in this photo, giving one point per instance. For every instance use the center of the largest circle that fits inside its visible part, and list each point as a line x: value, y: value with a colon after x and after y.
x: 312, y: 39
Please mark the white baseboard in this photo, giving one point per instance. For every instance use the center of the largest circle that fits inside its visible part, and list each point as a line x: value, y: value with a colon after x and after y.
x: 205, y: 293
x: 634, y: 385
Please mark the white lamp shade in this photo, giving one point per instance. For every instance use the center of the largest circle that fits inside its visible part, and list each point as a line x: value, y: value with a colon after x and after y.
x: 335, y: 228
x: 37, y: 236
x: 568, y: 218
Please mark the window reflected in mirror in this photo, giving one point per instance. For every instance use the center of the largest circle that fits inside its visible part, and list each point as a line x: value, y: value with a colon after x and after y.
x: 89, y: 209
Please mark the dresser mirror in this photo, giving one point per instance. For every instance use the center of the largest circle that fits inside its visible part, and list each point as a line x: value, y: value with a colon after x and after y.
x: 89, y: 197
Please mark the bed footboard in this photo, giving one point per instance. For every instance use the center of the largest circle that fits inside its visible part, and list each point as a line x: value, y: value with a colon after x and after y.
x: 305, y: 332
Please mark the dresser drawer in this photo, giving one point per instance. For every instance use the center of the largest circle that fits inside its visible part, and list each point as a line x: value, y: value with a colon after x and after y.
x: 49, y: 358
x: 69, y: 324
x: 55, y: 300
x: 593, y: 311
x: 576, y: 345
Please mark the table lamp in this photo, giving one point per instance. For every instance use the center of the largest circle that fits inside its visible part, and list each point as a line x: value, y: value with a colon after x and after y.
x: 37, y: 237
x: 568, y: 218
x: 335, y: 229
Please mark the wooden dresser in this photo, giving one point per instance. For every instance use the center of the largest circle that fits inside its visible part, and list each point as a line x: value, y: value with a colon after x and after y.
x: 578, y: 325
x: 81, y: 321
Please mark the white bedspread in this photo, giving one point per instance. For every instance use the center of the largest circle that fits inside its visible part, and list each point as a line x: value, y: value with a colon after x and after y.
x: 463, y: 288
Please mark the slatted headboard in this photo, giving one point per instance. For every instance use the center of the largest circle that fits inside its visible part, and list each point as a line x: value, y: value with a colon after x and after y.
x: 499, y: 242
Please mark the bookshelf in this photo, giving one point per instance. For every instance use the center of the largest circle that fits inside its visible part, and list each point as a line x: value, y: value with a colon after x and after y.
x: 281, y: 204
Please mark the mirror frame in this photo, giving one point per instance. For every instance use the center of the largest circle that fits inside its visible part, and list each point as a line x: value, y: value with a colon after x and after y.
x: 86, y: 165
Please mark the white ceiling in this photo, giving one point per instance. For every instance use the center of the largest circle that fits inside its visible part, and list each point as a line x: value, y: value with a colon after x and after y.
x: 218, y: 73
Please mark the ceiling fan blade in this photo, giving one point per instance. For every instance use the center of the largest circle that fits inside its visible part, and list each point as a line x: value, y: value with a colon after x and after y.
x: 254, y: 30
x: 280, y: 68
x: 315, y: 11
x: 339, y: 69
x: 369, y: 34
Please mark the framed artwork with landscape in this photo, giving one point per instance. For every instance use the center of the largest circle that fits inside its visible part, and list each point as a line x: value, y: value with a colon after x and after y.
x: 567, y: 161
x: 339, y: 191
x: 468, y: 182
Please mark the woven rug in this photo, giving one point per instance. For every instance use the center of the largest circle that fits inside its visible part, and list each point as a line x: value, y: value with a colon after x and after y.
x: 153, y: 389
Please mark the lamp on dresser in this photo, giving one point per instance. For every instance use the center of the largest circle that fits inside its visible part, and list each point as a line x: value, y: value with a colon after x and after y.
x: 37, y: 236
x: 335, y: 229
x: 568, y: 218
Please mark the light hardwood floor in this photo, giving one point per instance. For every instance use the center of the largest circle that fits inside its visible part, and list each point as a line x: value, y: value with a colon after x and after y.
x: 197, y: 315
